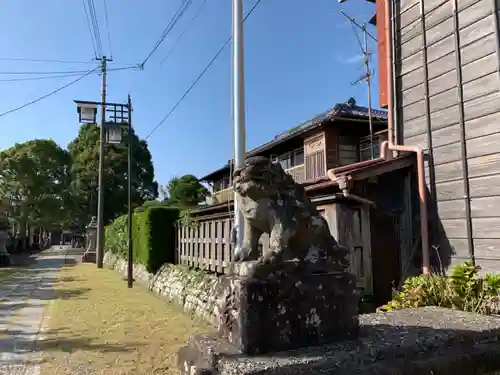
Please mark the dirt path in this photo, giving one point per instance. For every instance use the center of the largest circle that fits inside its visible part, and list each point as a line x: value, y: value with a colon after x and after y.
x: 24, y: 295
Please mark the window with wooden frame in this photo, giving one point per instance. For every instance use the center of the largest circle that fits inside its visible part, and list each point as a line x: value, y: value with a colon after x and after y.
x: 290, y: 159
x: 221, y: 183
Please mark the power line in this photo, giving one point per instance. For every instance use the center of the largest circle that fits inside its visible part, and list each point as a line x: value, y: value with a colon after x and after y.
x: 189, y: 89
x: 137, y: 66
x: 175, y: 18
x: 35, y: 73
x: 90, y: 29
x: 183, y: 32
x: 47, y: 95
x: 45, y: 61
x: 95, y: 26
x: 178, y: 39
x: 107, y: 28
x: 62, y: 76
x: 199, y: 76
x: 38, y: 78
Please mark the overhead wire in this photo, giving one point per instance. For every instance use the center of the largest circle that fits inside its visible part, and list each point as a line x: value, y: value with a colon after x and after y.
x: 70, y: 74
x: 173, y: 21
x: 38, y: 73
x: 176, y: 43
x: 136, y: 66
x: 108, y: 29
x: 90, y: 29
x: 39, y: 78
x: 184, y: 32
x: 95, y: 26
x: 49, y: 94
x: 195, y: 82
x: 45, y: 61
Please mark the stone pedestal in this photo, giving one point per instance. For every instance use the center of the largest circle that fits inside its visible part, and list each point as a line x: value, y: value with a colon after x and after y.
x: 288, y: 309
x: 419, y: 341
x: 4, y: 254
x: 5, y: 260
x: 90, y: 254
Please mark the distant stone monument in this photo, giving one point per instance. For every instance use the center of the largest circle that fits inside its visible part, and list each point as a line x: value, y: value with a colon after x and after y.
x: 4, y: 237
x: 90, y: 253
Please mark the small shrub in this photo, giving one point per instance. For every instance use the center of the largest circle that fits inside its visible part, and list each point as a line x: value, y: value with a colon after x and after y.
x: 115, y: 236
x: 462, y: 290
x: 186, y: 219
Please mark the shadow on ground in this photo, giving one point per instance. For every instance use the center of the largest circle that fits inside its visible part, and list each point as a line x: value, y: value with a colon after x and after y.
x: 13, y: 349
x: 36, y: 284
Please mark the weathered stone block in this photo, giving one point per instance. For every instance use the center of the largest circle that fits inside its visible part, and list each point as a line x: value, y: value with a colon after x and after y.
x: 407, y: 342
x: 288, y: 309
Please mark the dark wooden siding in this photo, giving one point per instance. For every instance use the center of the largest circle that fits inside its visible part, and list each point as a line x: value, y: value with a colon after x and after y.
x: 331, y: 147
x: 447, y: 51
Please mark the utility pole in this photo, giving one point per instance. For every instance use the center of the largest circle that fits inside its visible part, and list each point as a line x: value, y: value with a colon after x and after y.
x: 368, y: 74
x: 130, y: 263
x: 238, y: 113
x: 102, y: 137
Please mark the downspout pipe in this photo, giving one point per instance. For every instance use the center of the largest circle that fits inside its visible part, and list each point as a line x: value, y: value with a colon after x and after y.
x: 424, y: 229
x: 342, y: 182
x: 391, y: 145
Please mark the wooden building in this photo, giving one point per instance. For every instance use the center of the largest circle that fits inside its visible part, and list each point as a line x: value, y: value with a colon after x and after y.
x: 337, y: 137
x: 373, y: 217
x: 443, y: 61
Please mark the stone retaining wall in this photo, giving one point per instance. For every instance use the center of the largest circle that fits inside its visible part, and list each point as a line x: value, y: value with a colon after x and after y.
x: 194, y: 290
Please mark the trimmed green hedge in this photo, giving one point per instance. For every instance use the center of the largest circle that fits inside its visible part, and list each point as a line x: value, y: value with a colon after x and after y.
x: 153, y: 236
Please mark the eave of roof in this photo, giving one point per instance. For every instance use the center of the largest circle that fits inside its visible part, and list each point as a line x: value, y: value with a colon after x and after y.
x: 347, y: 110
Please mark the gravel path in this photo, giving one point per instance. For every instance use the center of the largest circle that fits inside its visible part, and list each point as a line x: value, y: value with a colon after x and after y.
x: 24, y: 296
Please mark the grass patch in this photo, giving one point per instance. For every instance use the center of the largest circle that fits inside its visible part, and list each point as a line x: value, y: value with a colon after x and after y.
x: 99, y: 326
x: 5, y: 272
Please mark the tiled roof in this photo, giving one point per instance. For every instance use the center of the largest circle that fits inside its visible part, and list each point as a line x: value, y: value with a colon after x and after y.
x: 349, y: 109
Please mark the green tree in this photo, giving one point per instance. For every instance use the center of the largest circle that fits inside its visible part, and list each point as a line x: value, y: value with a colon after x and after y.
x: 186, y: 191
x: 84, y: 152
x: 34, y: 180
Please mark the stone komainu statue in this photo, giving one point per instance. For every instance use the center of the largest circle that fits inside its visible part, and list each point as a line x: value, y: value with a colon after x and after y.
x: 272, y: 202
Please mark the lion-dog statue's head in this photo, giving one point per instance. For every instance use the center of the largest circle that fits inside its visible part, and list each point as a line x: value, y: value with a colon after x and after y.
x: 260, y: 178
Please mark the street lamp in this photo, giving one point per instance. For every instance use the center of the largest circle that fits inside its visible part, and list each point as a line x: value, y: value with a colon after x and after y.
x: 121, y: 118
x: 87, y: 112
x: 114, y: 132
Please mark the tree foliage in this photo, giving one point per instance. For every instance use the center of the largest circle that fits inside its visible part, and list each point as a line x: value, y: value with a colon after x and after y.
x: 34, y: 181
x: 84, y: 153
x: 186, y: 191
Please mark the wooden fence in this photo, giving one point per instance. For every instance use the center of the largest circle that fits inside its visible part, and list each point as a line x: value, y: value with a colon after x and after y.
x: 207, y: 245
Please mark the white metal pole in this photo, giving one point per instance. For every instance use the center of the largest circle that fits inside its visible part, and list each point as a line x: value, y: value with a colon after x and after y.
x: 238, y: 111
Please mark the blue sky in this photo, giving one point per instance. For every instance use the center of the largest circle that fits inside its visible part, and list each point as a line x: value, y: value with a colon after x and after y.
x: 301, y: 57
